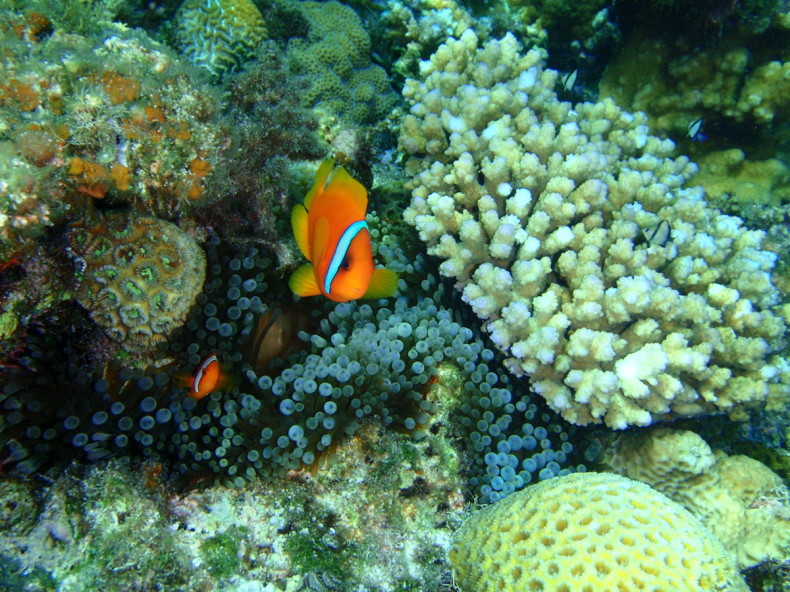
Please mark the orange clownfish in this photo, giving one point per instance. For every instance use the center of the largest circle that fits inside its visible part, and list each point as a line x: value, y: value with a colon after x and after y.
x: 208, y: 377
x: 332, y: 234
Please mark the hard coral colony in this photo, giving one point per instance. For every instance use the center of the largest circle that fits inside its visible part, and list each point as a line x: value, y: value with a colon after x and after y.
x: 537, y: 209
x: 588, y: 284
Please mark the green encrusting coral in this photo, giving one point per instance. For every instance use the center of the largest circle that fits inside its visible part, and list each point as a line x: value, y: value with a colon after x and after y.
x: 218, y: 34
x: 334, y: 60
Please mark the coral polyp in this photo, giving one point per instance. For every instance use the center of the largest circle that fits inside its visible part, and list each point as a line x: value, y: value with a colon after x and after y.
x: 141, y: 275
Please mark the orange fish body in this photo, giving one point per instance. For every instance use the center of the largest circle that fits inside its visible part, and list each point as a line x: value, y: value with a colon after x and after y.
x: 332, y: 234
x: 208, y: 377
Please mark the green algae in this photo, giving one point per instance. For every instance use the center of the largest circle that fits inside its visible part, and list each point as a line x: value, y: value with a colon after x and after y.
x: 18, y: 508
x: 109, y: 526
x: 311, y: 553
x: 221, y: 553
x: 13, y: 577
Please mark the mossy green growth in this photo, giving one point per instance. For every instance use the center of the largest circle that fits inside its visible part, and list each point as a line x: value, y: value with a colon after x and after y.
x: 133, y: 557
x: 121, y: 540
x: 220, y: 554
x: 14, y: 577
x: 8, y: 324
x: 18, y: 508
x: 311, y: 553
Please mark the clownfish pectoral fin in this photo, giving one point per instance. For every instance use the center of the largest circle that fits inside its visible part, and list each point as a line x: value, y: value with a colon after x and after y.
x: 383, y: 284
x: 321, y: 175
x: 303, y: 282
x: 299, y: 226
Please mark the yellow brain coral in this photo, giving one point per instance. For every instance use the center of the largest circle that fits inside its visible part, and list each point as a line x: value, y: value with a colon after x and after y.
x: 742, y: 501
x: 589, y: 532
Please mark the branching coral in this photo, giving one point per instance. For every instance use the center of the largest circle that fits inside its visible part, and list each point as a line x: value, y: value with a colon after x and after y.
x: 540, y: 211
x: 737, y: 86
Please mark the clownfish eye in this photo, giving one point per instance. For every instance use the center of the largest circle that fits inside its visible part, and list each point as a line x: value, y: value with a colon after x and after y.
x: 346, y: 264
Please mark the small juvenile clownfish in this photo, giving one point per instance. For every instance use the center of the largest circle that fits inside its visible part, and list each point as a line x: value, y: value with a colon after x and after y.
x: 332, y: 234
x: 208, y: 377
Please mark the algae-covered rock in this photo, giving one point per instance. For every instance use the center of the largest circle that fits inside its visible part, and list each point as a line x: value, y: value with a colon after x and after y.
x: 375, y: 514
x: 18, y: 507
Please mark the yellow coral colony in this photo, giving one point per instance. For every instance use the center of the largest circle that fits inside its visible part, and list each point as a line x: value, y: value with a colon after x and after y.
x: 589, y: 532
x: 742, y: 501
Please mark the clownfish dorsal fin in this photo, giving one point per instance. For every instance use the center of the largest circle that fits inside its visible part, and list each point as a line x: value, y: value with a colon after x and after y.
x: 383, y: 284
x: 300, y: 229
x: 349, y: 187
x: 303, y: 282
x: 321, y: 175
x: 320, y: 239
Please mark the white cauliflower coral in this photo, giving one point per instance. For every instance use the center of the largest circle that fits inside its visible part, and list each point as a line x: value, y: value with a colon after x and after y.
x: 540, y: 208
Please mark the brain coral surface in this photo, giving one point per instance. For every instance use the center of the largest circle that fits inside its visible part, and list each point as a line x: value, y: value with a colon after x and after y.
x: 219, y: 34
x: 549, y: 215
x: 589, y: 532
x: 140, y: 277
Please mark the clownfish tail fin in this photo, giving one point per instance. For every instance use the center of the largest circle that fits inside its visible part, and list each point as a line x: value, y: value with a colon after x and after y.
x: 383, y: 284
x: 303, y: 282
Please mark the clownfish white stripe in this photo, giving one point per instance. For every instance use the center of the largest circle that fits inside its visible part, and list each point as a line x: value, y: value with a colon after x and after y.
x: 340, y: 252
x: 199, y: 374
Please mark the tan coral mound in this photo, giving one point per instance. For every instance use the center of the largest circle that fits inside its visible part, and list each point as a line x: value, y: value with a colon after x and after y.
x: 743, y: 502
x: 140, y: 276
x: 589, y: 532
